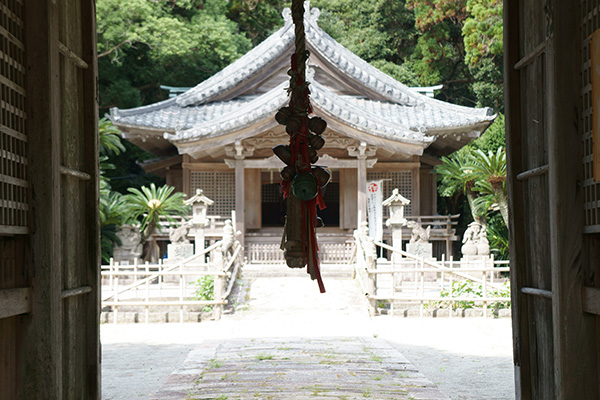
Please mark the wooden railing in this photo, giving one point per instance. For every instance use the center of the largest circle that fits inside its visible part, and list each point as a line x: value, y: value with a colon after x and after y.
x: 411, y: 279
x: 271, y: 253
x: 169, y: 284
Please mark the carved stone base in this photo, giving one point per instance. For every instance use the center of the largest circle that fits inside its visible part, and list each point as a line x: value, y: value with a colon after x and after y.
x: 469, y: 261
x: 180, y: 251
x: 424, y: 250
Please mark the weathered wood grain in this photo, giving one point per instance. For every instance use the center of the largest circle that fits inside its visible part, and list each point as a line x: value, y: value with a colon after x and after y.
x: 514, y: 144
x: 253, y: 198
x: 14, y: 302
x: 575, y: 336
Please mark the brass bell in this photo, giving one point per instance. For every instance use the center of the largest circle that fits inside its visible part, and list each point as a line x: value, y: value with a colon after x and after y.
x: 312, y: 155
x: 283, y: 152
x: 323, y: 176
x: 317, y: 125
x: 316, y: 142
x: 305, y: 186
x: 287, y: 174
x: 283, y: 115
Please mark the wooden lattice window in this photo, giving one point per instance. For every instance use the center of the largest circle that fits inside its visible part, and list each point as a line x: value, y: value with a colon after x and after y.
x: 395, y: 179
x: 590, y: 22
x: 219, y: 187
x: 13, y: 139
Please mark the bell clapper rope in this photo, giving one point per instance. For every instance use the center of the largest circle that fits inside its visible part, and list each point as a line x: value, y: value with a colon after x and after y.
x: 301, y: 181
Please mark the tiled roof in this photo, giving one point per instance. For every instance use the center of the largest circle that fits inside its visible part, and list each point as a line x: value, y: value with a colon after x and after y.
x: 404, y: 114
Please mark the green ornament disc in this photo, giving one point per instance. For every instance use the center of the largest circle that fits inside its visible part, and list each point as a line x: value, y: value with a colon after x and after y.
x: 305, y: 186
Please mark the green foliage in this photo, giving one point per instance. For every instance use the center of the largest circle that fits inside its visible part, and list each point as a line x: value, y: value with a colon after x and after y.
x: 497, y: 234
x: 110, y: 204
x: 487, y: 167
x: 373, y: 30
x: 489, y: 173
x: 470, y: 290
x: 109, y: 138
x: 402, y: 73
x: 483, y: 30
x: 126, y: 171
x: 143, y: 44
x: 148, y: 204
x: 452, y: 177
x: 461, y: 46
x: 471, y: 172
x: 257, y: 19
x: 205, y: 289
x: 493, y: 138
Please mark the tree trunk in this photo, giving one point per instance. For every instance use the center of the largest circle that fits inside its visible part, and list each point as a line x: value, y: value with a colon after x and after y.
x: 150, y: 247
x: 471, y: 200
x: 502, y: 201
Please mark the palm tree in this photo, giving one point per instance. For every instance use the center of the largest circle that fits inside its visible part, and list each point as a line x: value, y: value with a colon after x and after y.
x: 454, y: 180
x: 110, y: 208
x: 109, y: 138
x: 110, y: 202
x: 491, y: 168
x: 150, y: 205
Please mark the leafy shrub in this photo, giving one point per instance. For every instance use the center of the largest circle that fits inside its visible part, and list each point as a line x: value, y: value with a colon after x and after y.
x: 205, y: 287
x: 468, y: 289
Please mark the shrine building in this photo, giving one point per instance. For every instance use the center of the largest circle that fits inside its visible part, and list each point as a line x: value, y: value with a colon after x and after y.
x: 218, y: 135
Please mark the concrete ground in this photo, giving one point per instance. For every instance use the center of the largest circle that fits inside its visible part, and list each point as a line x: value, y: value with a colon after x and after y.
x: 467, y: 358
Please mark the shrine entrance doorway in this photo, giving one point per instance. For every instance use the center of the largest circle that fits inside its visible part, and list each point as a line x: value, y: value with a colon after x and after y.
x: 273, y: 205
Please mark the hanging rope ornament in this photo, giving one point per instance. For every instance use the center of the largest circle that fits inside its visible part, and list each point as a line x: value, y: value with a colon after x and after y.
x: 301, y: 181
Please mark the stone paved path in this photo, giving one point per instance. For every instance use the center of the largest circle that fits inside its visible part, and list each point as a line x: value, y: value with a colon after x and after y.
x: 298, y: 368
x: 295, y: 343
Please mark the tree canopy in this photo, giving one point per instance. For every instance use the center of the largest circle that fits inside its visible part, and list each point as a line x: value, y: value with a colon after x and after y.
x: 144, y: 44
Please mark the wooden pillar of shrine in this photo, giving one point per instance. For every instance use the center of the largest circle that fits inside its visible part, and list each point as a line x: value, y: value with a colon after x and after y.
x: 361, y: 193
x: 239, y: 198
x: 361, y: 152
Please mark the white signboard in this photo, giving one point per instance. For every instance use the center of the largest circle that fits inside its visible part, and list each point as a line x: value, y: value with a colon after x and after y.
x: 375, y: 209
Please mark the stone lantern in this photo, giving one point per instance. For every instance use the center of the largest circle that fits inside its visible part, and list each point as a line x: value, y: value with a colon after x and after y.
x: 396, y: 203
x: 199, y: 203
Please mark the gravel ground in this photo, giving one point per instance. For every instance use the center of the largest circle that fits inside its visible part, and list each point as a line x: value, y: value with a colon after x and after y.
x: 467, y: 358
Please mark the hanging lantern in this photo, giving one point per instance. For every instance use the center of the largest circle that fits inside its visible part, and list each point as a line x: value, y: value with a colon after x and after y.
x: 305, y: 186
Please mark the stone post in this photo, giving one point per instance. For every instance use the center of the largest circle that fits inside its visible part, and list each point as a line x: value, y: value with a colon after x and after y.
x: 199, y: 203
x: 396, y: 203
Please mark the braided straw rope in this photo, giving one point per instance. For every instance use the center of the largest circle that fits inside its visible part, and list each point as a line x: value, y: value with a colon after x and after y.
x: 299, y: 90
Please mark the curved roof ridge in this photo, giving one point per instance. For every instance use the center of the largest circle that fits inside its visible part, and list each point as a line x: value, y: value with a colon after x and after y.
x: 367, y: 75
x: 247, y: 65
x: 117, y: 113
x: 259, y: 108
x: 338, y: 107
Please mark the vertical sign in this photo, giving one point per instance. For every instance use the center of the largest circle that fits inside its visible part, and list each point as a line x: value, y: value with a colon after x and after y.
x: 375, y: 209
x: 595, y: 59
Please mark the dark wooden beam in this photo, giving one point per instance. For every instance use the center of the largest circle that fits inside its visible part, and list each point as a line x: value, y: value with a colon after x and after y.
x: 512, y: 106
x: 42, y: 360
x: 574, y: 332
